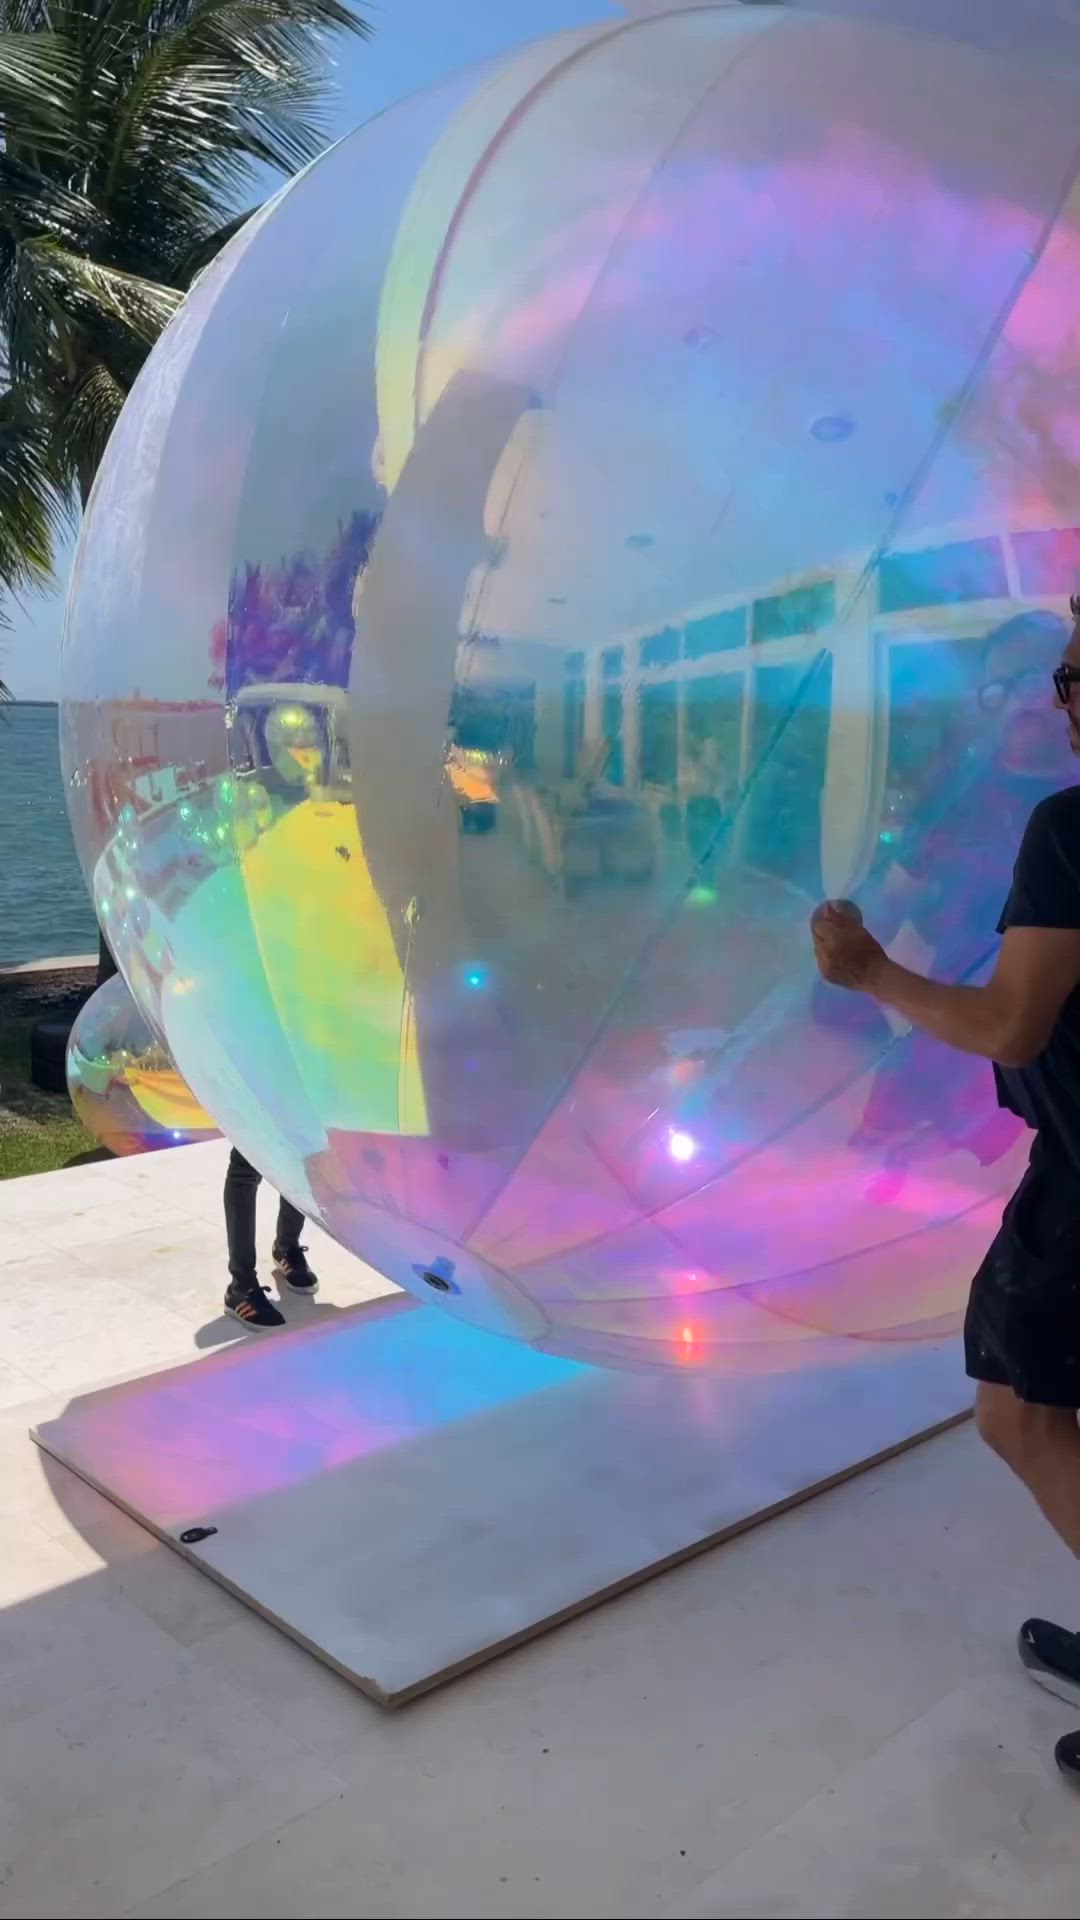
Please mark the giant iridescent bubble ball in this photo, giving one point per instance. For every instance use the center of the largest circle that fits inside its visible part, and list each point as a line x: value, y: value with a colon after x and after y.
x: 609, y: 503
x: 123, y: 1083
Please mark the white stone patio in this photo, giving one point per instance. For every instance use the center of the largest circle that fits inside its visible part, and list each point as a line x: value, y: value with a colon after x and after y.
x: 822, y: 1718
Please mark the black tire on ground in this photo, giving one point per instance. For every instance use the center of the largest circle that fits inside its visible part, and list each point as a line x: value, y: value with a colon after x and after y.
x: 48, y: 1046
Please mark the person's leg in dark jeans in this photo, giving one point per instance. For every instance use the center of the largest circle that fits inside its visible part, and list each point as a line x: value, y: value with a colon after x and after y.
x: 290, y: 1225
x: 242, y: 1183
x: 245, y: 1299
x: 290, y: 1258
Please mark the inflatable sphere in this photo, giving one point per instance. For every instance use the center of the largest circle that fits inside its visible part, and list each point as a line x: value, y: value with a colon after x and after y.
x: 609, y: 504
x: 123, y: 1084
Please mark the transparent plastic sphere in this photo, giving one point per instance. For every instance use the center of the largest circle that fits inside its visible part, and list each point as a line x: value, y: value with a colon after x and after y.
x: 123, y: 1084
x: 607, y: 505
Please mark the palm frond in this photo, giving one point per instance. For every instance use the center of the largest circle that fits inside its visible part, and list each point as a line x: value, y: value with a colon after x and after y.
x: 36, y: 201
x: 205, y: 250
x: 39, y: 77
x: 236, y: 82
x: 31, y: 505
x: 85, y: 288
x: 82, y: 428
x: 131, y: 132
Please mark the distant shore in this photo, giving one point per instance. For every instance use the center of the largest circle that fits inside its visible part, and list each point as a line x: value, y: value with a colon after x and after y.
x: 52, y: 963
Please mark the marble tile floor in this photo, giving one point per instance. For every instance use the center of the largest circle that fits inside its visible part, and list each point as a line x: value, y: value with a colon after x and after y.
x: 823, y: 1718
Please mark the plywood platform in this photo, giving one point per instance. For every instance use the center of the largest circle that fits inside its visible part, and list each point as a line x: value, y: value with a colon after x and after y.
x: 407, y: 1498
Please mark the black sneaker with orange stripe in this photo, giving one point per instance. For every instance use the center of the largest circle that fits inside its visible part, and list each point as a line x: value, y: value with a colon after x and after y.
x: 247, y: 1302
x: 291, y: 1270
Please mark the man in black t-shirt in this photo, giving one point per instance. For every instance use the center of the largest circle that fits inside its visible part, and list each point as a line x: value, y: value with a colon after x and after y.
x: 1022, y: 1334
x: 949, y: 871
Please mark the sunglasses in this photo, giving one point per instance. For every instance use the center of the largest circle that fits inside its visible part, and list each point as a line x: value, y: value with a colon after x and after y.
x: 1065, y: 677
x: 993, y: 695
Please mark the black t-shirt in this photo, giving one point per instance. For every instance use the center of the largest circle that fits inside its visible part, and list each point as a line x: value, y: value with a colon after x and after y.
x: 1046, y: 893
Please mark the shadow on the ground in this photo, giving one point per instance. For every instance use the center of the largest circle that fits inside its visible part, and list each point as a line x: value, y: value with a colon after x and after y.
x: 300, y: 1314
x: 93, y: 1515
x: 90, y: 1157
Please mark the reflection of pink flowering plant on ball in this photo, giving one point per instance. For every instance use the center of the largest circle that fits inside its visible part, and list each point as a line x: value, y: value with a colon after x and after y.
x: 219, y: 643
x: 293, y: 622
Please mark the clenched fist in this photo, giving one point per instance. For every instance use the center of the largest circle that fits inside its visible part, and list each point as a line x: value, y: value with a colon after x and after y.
x: 846, y: 954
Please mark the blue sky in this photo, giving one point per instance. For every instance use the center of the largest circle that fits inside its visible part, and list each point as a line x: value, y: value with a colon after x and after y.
x: 418, y: 42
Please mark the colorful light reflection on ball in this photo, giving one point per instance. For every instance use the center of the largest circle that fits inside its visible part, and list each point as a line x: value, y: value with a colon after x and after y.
x: 123, y: 1084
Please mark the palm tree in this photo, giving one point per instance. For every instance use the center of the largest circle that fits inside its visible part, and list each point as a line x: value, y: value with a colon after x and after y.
x: 133, y: 136
x: 29, y: 505
x: 133, y: 132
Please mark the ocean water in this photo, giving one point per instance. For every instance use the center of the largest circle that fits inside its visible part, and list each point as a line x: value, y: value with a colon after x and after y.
x: 44, y: 906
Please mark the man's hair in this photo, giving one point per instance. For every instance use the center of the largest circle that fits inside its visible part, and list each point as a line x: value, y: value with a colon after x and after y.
x: 1038, y: 626
x: 1074, y: 605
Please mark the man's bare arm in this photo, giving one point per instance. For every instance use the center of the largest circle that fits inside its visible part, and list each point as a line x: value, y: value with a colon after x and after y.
x: 1008, y: 1020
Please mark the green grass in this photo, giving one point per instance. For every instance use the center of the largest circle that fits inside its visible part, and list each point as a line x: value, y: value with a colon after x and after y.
x: 38, y: 1131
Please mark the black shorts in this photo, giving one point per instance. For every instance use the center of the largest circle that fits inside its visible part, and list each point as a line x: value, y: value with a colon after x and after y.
x: 1023, y: 1320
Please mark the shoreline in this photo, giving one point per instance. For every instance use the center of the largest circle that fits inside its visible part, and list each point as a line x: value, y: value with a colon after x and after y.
x: 52, y: 963
x: 41, y: 988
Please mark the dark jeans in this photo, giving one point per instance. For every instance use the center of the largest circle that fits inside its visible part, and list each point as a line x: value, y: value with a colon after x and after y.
x: 241, y: 1186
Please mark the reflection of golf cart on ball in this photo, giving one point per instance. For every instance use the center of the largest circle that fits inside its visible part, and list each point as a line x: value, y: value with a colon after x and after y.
x: 472, y: 776
x: 294, y: 738
x: 490, y: 727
